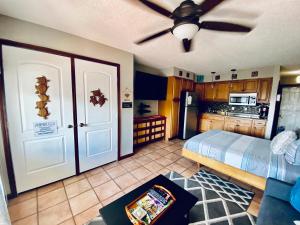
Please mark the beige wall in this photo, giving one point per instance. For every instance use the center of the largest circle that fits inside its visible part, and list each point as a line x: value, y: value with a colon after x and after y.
x: 30, y: 33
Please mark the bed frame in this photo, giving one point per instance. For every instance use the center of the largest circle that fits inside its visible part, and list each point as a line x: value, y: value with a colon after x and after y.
x: 243, y: 176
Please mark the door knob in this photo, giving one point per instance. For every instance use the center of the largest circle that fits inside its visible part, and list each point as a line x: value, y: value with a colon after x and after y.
x: 82, y: 125
x: 70, y: 126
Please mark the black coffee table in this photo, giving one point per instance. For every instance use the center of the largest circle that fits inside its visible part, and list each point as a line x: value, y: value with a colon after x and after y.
x: 177, y: 214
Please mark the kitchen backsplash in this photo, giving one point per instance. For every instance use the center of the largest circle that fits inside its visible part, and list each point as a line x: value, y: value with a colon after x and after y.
x: 214, y: 107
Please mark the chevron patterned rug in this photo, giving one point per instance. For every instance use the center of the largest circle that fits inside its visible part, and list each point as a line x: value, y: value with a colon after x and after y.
x: 220, y: 202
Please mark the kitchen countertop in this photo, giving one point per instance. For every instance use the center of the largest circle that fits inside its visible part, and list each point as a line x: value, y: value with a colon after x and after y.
x: 238, y: 115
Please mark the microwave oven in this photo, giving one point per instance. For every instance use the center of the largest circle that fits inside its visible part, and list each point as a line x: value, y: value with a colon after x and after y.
x: 244, y: 99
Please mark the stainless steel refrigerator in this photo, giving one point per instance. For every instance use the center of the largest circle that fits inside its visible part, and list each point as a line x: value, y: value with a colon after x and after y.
x: 188, y: 116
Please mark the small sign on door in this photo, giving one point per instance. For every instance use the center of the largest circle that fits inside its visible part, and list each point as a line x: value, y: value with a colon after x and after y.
x: 45, y: 128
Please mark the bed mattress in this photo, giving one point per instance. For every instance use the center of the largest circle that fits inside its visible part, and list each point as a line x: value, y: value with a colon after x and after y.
x: 247, y: 153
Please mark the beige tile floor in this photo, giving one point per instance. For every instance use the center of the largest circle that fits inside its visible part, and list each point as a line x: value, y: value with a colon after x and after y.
x: 78, y: 199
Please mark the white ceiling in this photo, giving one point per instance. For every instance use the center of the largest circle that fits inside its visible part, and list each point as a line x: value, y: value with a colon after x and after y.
x: 118, y: 23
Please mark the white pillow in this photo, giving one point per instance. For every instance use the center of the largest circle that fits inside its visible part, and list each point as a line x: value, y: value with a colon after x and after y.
x: 281, y: 141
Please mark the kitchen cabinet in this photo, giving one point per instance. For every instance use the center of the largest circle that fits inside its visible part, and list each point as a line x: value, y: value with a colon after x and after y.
x: 246, y: 86
x: 175, y: 88
x: 209, y: 92
x: 258, y: 128
x: 221, y: 90
x: 211, y: 122
x: 170, y: 107
x: 238, y: 125
x: 199, y: 89
x: 246, y: 126
x: 264, y: 90
x: 250, y: 86
x: 236, y: 86
x: 187, y: 85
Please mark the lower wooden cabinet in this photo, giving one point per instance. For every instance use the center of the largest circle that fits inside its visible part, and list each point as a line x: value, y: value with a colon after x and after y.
x: 258, y: 128
x: 238, y: 125
x: 211, y: 122
x: 251, y: 127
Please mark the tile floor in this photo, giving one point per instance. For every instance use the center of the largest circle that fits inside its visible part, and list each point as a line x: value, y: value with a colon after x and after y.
x: 77, y: 199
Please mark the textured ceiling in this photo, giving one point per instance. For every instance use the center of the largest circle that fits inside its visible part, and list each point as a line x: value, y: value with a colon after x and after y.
x: 118, y: 23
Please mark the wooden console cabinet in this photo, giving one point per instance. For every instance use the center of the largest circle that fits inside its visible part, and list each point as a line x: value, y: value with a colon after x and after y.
x: 251, y: 127
x: 148, y: 129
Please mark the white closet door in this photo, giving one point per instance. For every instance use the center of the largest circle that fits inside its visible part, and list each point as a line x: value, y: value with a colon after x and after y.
x: 42, y: 148
x: 97, y: 113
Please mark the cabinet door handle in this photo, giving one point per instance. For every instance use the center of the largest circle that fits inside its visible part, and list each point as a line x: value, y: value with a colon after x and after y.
x: 83, y: 125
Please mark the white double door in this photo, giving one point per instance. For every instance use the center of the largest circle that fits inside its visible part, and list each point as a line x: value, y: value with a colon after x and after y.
x: 42, y: 146
x: 97, y: 113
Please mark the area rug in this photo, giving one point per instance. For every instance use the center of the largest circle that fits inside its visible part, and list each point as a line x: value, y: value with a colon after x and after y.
x: 220, y: 202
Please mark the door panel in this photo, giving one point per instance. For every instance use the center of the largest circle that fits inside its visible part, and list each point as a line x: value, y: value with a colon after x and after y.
x: 209, y: 92
x: 250, y: 85
x: 97, y: 113
x: 38, y: 159
x: 236, y: 86
x: 175, y: 119
x: 264, y: 90
x: 221, y: 90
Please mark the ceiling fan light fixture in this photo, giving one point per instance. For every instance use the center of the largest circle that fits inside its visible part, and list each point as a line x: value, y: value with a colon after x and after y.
x: 185, y: 31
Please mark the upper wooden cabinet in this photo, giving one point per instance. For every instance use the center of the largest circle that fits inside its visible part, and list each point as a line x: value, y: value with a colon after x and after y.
x: 264, y: 90
x: 244, y: 85
x: 199, y: 89
x: 209, y: 93
x: 236, y: 86
x: 187, y: 85
x: 250, y: 85
x: 176, y: 88
x: 221, y: 90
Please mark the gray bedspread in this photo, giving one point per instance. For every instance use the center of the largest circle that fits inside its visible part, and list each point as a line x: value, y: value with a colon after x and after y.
x: 247, y: 153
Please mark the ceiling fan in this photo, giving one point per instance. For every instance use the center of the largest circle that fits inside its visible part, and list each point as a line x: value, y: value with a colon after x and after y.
x: 187, y: 21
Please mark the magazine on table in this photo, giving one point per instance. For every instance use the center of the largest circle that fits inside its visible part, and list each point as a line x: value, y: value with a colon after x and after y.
x: 149, y: 207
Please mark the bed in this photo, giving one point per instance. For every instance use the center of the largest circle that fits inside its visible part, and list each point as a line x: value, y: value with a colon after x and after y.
x: 242, y: 157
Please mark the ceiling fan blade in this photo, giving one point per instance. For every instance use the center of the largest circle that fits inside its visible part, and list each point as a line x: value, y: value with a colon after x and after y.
x: 157, y: 8
x: 224, y: 26
x: 208, y: 5
x: 153, y: 36
x: 187, y: 45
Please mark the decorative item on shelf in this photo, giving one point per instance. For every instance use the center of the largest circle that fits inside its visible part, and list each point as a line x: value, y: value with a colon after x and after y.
x: 233, y: 74
x: 180, y: 73
x: 97, y: 98
x: 218, y: 77
x: 143, y: 109
x: 199, y: 78
x: 254, y: 74
x: 41, y: 90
